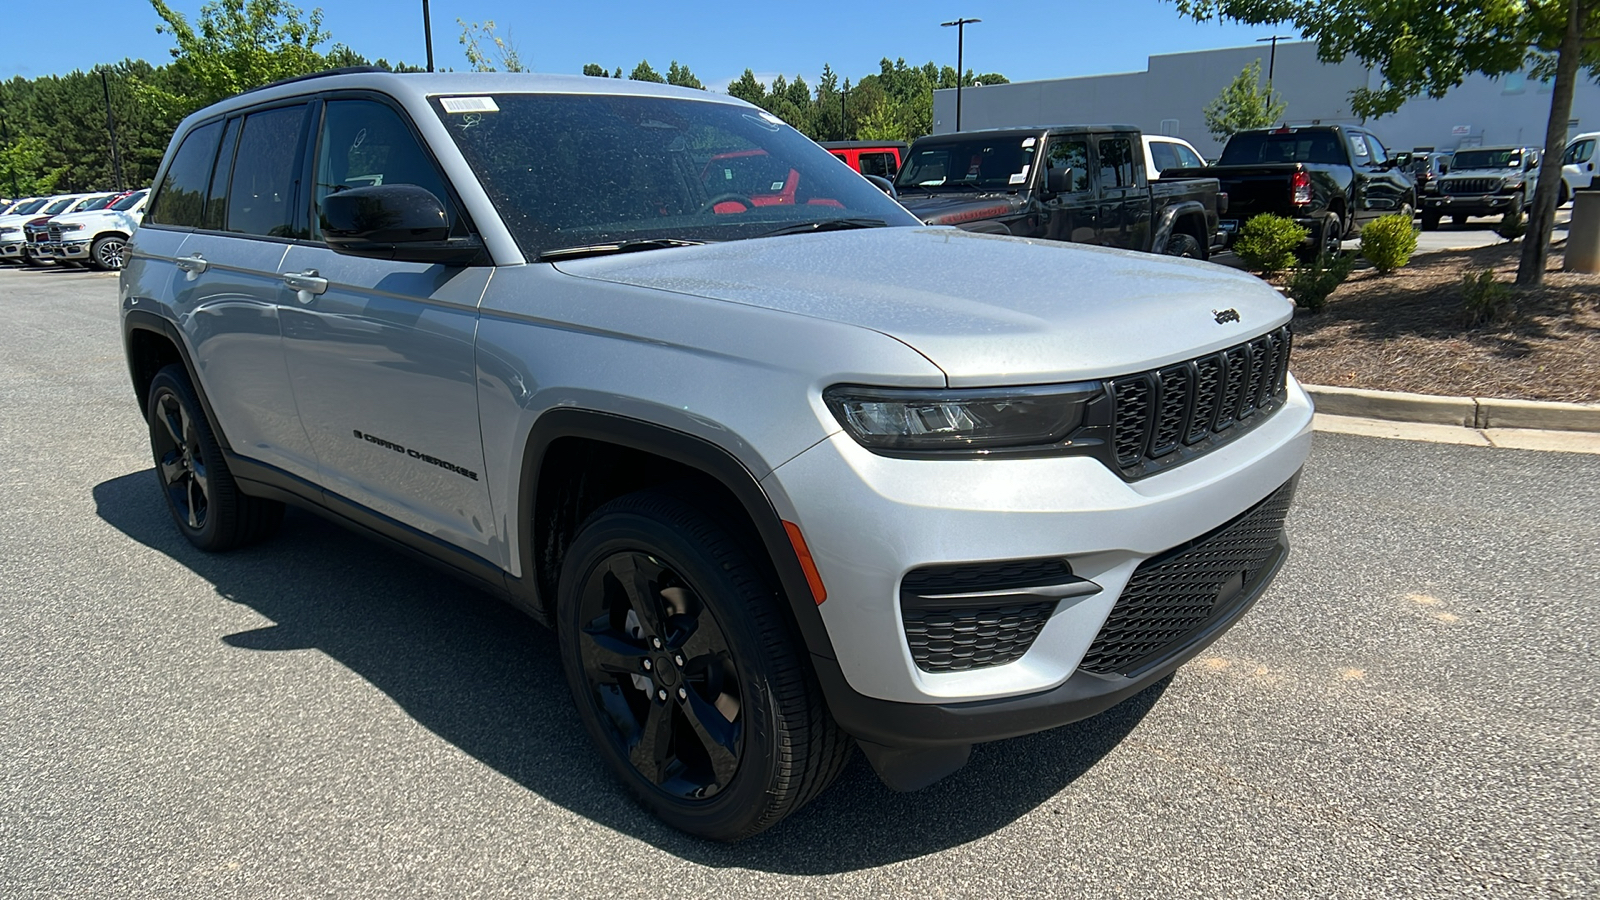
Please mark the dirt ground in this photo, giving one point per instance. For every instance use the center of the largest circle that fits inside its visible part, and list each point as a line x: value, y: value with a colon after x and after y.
x: 1408, y: 331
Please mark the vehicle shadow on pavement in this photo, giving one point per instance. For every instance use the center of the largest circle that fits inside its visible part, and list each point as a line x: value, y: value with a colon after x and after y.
x: 481, y: 675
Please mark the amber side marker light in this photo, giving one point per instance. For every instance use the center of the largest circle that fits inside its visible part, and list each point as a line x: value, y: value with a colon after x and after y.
x: 807, y: 564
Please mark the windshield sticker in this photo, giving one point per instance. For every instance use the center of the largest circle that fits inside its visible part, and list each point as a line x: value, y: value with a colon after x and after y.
x: 1020, y: 177
x: 468, y: 104
x: 1360, y: 144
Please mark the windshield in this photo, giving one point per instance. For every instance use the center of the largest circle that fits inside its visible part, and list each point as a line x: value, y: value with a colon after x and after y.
x: 95, y: 203
x: 32, y: 206
x: 994, y: 163
x: 60, y: 205
x: 1487, y: 159
x: 1250, y: 148
x: 129, y: 202
x: 569, y: 170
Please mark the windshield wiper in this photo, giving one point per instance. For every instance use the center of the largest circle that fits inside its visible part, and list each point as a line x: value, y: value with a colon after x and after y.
x: 824, y: 225
x: 611, y: 247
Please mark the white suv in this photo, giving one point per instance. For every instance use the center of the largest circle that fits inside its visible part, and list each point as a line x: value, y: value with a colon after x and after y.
x: 788, y: 471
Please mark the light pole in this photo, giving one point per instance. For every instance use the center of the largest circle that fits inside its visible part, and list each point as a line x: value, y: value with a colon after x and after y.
x: 961, y: 39
x: 1272, y: 57
x: 111, y: 127
x: 427, y: 33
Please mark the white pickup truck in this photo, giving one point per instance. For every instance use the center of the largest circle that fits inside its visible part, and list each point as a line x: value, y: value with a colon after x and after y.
x: 97, y: 238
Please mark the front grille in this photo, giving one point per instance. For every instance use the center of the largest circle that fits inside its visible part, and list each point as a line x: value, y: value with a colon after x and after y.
x: 1470, y: 185
x: 1158, y: 413
x: 55, y: 232
x: 949, y: 637
x: 1173, y: 597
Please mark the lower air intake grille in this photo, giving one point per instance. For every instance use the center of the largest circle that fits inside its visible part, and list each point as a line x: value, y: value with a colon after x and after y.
x: 1173, y: 596
x: 948, y: 636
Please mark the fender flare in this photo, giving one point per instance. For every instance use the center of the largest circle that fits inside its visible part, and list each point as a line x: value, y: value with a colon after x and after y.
x: 685, y: 449
x: 135, y: 320
x: 1169, y: 222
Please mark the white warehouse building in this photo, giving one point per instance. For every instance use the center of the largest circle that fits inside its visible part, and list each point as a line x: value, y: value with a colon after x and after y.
x: 1170, y: 97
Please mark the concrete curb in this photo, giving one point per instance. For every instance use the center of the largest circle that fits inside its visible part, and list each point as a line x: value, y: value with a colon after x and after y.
x: 1466, y: 412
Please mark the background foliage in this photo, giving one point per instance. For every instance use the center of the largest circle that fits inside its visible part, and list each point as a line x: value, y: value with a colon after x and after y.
x: 53, y: 135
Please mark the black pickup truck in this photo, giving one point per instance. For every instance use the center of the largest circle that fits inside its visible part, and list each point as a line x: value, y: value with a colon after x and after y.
x: 1332, y: 179
x: 1080, y: 183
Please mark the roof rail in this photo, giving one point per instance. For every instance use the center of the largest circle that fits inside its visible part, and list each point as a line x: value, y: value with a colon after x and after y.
x: 342, y: 70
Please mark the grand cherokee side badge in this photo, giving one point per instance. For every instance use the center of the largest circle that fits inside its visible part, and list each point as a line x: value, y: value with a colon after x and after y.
x: 1224, y: 316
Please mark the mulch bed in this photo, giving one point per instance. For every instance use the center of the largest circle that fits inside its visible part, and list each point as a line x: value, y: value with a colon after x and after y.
x: 1407, y: 331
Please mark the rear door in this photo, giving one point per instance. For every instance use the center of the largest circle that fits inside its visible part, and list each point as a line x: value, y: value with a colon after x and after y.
x: 230, y: 287
x: 382, y: 353
x: 1124, y: 194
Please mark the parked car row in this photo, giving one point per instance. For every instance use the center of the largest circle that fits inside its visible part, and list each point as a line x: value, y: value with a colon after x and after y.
x: 70, y: 229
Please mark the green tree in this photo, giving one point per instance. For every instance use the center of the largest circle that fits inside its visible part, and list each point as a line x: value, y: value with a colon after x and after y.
x: 748, y: 89
x: 595, y: 70
x: 23, y: 165
x: 643, y: 72
x: 682, y: 77
x: 487, y: 51
x: 235, y: 46
x: 1431, y: 48
x: 1243, y: 105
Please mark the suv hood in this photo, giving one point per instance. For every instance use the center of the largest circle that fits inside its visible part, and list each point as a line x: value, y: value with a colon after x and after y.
x: 985, y: 309
x: 954, y: 208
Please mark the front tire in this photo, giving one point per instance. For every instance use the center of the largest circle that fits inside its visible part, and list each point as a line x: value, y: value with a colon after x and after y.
x: 205, y: 502
x: 687, y: 673
x: 106, y: 254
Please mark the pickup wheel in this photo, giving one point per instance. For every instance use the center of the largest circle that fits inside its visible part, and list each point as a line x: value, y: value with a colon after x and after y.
x: 686, y: 672
x: 1186, y: 246
x: 1563, y: 197
x: 106, y: 254
x: 1332, y: 239
x: 204, y: 500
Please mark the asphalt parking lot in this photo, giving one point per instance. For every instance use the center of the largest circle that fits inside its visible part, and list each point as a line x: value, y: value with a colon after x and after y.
x: 1410, y: 712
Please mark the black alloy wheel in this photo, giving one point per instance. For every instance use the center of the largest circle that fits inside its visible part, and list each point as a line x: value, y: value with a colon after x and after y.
x: 1184, y: 245
x: 205, y: 502
x: 687, y: 671
x: 1332, y: 236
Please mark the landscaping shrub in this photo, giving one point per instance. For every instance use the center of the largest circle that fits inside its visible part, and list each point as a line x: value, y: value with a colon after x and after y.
x: 1486, y: 299
x: 1310, y: 285
x: 1388, y: 242
x: 1512, y: 225
x: 1266, y: 243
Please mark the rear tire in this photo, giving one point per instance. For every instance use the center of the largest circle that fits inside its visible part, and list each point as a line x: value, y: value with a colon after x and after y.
x: 1332, y: 239
x: 1186, y: 246
x: 687, y: 673
x: 205, y: 502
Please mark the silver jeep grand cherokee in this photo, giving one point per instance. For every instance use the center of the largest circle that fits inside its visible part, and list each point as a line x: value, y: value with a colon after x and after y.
x: 787, y: 471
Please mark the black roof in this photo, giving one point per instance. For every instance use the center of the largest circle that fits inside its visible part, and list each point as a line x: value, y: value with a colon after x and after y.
x: 1026, y: 129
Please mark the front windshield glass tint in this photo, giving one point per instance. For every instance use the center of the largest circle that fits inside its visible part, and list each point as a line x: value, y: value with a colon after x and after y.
x: 1252, y: 148
x: 573, y: 170
x: 129, y: 202
x: 1487, y: 159
x: 97, y: 203
x: 60, y: 206
x: 29, y: 208
x: 989, y: 164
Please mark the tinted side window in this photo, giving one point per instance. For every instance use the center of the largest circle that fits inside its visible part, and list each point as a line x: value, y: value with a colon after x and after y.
x: 1073, y: 155
x: 217, y: 204
x: 1163, y: 155
x: 365, y: 143
x: 182, y: 193
x: 1187, y: 158
x: 1116, y: 162
x: 877, y: 164
x: 261, y: 193
x: 1579, y: 153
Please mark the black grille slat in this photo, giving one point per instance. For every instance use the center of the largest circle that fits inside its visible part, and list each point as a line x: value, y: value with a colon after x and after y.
x: 1172, y: 596
x: 962, y: 578
x: 1471, y: 185
x: 1177, y: 398
x: 963, y: 638
x: 1236, y: 371
x: 1133, y: 414
x: 1208, y: 374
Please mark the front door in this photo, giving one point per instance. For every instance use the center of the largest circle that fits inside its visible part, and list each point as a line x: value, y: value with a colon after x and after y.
x: 382, y: 353
x: 1070, y: 214
x: 1124, y: 194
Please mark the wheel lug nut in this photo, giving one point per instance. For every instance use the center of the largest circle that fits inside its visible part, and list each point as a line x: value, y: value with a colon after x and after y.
x: 655, y: 642
x: 683, y: 694
x: 678, y: 659
x: 647, y: 665
x: 661, y: 695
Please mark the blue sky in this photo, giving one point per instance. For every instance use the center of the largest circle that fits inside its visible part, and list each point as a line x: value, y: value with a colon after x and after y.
x: 1023, y: 41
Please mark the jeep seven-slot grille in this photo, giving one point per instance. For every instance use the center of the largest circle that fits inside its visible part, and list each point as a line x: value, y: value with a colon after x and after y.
x: 1470, y: 185
x: 1173, y: 597
x: 1157, y: 413
x: 950, y: 637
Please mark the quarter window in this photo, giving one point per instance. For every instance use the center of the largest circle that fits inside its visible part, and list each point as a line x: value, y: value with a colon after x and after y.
x: 365, y: 144
x: 1164, y: 155
x: 880, y: 164
x: 181, y: 196
x: 261, y: 193
x: 1187, y: 158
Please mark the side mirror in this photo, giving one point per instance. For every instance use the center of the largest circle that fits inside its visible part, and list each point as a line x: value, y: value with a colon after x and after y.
x: 393, y: 221
x: 883, y: 184
x: 1531, y: 163
x: 1058, y: 180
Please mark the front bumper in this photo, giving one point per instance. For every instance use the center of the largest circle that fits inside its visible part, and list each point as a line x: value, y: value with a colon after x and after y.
x: 11, y: 250
x: 1468, y: 204
x: 69, y: 249
x: 869, y: 520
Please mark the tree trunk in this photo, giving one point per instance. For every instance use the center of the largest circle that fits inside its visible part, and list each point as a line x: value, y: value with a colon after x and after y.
x: 1536, y: 243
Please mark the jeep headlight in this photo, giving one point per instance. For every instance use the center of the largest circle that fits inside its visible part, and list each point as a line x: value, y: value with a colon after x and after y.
x: 956, y: 421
